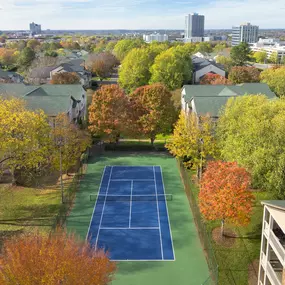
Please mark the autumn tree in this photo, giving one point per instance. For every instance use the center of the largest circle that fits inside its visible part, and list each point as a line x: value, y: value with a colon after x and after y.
x: 274, y: 77
x: 65, y: 78
x: 240, y: 54
x: 244, y: 74
x: 110, y: 46
x: 25, y: 137
x: 214, y: 79
x: 108, y: 112
x: 193, y: 140
x: 273, y: 58
x: 172, y: 67
x: 53, y: 259
x: 33, y: 44
x: 224, y: 194
x: 101, y: 64
x: 70, y: 140
x: 152, y: 111
x: 250, y: 132
x: 8, y: 57
x: 260, y: 56
x: 204, y: 47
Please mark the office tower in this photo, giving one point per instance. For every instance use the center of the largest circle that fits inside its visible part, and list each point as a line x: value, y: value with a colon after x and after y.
x: 244, y: 33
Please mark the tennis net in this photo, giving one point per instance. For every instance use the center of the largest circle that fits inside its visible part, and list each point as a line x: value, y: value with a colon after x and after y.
x: 127, y: 198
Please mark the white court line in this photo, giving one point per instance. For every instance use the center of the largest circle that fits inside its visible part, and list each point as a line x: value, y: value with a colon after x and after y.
x: 167, y: 213
x: 133, y: 228
x: 102, y: 212
x: 95, y: 203
x: 130, y: 217
x: 118, y: 180
x: 161, y: 248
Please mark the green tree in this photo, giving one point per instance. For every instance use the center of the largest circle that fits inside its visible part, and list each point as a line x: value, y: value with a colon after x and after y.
x: 220, y: 47
x: 172, y: 67
x: 240, y: 54
x: 260, y: 56
x: 225, y: 61
x: 110, y: 46
x: 244, y: 74
x: 152, y: 110
x: 250, y: 132
x: 204, y: 47
x: 123, y: 47
x: 273, y: 58
x: 134, y: 71
x: 33, y: 44
x: 274, y: 77
x: 193, y: 140
x: 26, y: 57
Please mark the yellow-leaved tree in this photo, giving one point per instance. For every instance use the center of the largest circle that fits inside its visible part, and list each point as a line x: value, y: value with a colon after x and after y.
x: 70, y: 140
x: 24, y: 137
x: 193, y: 140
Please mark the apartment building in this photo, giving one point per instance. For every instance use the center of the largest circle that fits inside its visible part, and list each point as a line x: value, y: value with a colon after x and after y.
x: 244, y: 33
x: 194, y: 27
x: 272, y: 252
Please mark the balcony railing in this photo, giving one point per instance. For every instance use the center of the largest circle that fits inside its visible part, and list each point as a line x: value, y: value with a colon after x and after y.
x: 277, y: 246
x: 272, y: 275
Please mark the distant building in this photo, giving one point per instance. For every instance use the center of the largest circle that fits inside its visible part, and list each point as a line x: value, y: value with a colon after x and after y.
x: 35, y: 29
x: 194, y: 25
x: 155, y: 37
x: 270, y: 48
x: 272, y: 251
x: 244, y: 33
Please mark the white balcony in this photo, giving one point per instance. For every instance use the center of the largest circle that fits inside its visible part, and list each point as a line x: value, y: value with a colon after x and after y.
x: 272, y: 275
x: 266, y: 229
x: 277, y: 246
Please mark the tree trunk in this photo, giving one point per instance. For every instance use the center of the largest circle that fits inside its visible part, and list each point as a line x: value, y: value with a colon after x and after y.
x: 152, y: 141
x: 222, y: 227
x: 13, y: 177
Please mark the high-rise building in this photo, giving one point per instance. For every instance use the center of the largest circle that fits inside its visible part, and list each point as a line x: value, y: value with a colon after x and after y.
x: 35, y: 28
x: 246, y: 33
x: 194, y: 26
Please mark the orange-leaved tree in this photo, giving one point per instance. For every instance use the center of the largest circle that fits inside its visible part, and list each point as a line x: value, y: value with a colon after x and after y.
x: 108, y: 112
x: 153, y: 111
x: 214, y: 79
x: 65, y: 78
x: 225, y: 195
x: 53, y: 259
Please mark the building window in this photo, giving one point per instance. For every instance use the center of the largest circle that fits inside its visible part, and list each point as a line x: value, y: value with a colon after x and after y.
x: 267, y: 215
x: 264, y: 247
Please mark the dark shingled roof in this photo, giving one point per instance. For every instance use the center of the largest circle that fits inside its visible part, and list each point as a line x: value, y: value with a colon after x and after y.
x: 200, y: 63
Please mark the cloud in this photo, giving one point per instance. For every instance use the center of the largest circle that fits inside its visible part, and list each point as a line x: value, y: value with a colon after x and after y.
x: 137, y: 14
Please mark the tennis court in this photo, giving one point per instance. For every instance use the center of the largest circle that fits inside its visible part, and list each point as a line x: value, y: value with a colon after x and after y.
x: 130, y: 217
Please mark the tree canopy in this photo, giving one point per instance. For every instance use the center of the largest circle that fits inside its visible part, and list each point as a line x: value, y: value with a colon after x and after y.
x: 244, y: 74
x: 224, y: 193
x: 65, y: 78
x: 192, y: 140
x: 260, y: 56
x: 108, y: 112
x: 250, y: 132
x: 152, y: 110
x: 53, y: 259
x: 240, y: 54
x: 172, y: 67
x: 275, y: 78
x: 123, y: 47
x: 214, y: 79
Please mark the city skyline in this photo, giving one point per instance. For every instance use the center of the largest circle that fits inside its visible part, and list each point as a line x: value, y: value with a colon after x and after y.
x: 137, y: 14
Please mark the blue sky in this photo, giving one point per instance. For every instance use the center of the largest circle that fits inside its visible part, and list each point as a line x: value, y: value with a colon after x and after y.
x: 138, y: 14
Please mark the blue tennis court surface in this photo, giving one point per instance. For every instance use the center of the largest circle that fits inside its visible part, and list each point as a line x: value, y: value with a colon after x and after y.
x: 130, y: 217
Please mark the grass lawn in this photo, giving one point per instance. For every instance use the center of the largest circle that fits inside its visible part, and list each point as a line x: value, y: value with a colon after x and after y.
x: 24, y: 210
x: 235, y: 263
x: 190, y: 266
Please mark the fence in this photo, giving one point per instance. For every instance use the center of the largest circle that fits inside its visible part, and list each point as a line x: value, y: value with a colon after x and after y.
x: 70, y: 192
x: 201, y: 228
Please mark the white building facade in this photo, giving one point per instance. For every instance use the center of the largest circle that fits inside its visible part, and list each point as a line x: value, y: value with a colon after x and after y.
x: 246, y: 33
x: 272, y: 252
x: 155, y: 37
